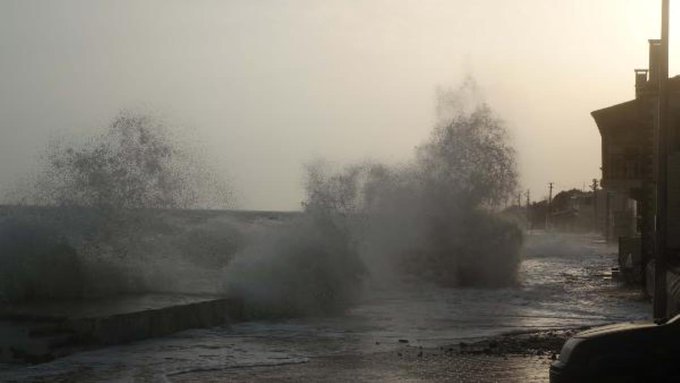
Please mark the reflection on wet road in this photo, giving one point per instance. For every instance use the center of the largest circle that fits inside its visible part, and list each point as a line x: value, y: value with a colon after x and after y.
x: 562, y: 286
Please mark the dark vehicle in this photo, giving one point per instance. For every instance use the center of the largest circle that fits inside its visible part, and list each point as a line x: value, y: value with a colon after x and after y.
x: 627, y: 352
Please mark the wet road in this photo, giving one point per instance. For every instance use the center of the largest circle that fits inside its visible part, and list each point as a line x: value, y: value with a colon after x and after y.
x: 562, y: 286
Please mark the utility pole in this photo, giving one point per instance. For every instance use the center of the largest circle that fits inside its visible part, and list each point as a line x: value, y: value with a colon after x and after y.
x: 529, y: 225
x: 660, y: 298
x: 549, y: 209
x: 528, y: 197
x: 607, y: 216
x: 594, y: 188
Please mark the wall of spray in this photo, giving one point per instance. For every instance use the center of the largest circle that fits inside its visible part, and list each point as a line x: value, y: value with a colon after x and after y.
x: 114, y: 216
x: 431, y: 220
x: 102, y: 217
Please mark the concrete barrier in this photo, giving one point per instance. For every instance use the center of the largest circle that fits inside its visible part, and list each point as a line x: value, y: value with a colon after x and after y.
x: 40, y: 332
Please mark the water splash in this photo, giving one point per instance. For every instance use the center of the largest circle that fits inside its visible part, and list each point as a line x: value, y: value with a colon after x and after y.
x: 431, y: 220
x: 110, y: 199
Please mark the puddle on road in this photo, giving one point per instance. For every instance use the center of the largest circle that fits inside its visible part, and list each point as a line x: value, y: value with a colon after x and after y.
x: 562, y: 286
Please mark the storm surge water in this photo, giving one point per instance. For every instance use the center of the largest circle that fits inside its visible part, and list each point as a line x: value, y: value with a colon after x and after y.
x: 309, y: 265
x: 432, y: 220
x: 118, y: 213
x: 436, y: 218
x: 102, y: 218
x: 305, y: 267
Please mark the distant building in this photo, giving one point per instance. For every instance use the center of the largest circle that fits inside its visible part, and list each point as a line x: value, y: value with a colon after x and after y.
x: 572, y: 211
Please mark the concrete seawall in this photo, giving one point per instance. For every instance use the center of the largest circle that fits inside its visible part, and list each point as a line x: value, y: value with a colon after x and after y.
x: 40, y: 332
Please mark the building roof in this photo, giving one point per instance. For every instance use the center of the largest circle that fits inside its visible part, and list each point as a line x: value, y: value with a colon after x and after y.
x: 617, y: 116
x: 627, y: 114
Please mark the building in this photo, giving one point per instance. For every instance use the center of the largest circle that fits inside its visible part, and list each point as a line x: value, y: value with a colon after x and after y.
x: 573, y: 211
x: 629, y: 134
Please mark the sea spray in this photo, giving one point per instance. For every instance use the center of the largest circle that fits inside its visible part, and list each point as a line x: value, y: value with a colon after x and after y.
x: 410, y: 227
x: 431, y: 220
x: 434, y: 219
x: 462, y: 173
x: 110, y: 199
x: 36, y: 263
x: 134, y: 164
x: 307, y: 266
x: 117, y: 200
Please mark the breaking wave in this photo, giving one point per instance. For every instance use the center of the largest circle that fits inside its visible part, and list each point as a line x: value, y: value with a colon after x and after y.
x: 104, y: 217
x: 307, y: 266
x: 119, y: 214
x: 36, y: 263
x: 433, y: 220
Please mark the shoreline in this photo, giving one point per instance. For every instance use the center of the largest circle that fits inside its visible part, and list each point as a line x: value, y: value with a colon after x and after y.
x: 524, y: 357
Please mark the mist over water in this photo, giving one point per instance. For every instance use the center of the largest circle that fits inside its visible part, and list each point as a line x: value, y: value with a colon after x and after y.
x: 307, y: 266
x: 113, y: 213
x: 136, y: 163
x: 101, y: 210
x: 431, y: 220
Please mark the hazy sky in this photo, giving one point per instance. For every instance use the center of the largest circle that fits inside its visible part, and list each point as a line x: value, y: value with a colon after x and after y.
x: 264, y: 86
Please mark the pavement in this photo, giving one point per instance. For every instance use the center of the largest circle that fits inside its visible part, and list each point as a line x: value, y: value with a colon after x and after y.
x: 524, y: 358
x: 39, y: 332
x: 563, y: 286
x: 389, y: 367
